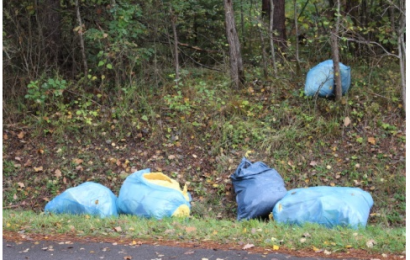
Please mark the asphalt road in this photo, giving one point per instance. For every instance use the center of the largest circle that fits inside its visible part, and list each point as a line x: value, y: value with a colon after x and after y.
x: 45, y: 250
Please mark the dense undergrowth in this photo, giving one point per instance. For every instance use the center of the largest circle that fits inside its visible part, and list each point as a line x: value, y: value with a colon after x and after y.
x: 198, y: 129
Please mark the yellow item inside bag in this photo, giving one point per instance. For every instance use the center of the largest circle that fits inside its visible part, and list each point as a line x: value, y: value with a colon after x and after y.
x: 161, y: 179
x: 182, y: 211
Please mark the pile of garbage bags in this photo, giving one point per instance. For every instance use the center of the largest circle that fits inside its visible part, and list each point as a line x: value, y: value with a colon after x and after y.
x: 260, y: 190
x: 143, y: 193
x: 320, y: 79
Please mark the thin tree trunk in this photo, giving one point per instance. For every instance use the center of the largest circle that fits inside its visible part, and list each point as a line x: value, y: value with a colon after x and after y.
x: 242, y: 25
x: 80, y: 33
x: 264, y: 59
x: 402, y: 70
x: 297, y: 38
x: 335, y: 55
x: 174, y: 30
x: 402, y: 51
x: 236, y: 65
x: 272, y: 47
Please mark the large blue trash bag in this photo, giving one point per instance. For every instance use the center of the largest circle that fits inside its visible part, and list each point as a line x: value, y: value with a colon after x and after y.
x: 329, y: 206
x: 320, y: 79
x: 88, y: 198
x: 257, y: 188
x: 140, y: 195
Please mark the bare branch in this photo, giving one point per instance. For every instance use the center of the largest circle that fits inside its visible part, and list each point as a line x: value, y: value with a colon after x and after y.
x: 369, y: 42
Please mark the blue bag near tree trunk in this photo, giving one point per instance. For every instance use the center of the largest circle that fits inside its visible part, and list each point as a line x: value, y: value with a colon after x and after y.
x: 257, y: 189
x: 320, y: 79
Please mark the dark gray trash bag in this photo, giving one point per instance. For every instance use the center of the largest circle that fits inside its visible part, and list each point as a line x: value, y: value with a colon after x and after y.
x: 257, y: 188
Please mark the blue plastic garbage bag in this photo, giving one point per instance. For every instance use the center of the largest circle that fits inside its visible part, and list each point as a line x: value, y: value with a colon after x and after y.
x: 321, y: 79
x: 329, y: 206
x: 257, y: 188
x: 141, y: 196
x: 88, y: 198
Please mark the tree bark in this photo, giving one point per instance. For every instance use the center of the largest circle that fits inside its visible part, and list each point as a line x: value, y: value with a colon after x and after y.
x: 297, y: 38
x: 278, y: 20
x: 52, y: 31
x: 174, y: 30
x: 272, y: 47
x: 236, y: 65
x: 80, y: 33
x: 335, y: 55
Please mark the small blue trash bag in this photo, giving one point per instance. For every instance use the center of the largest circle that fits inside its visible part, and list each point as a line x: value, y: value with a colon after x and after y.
x: 328, y: 206
x: 138, y: 196
x: 257, y: 188
x: 88, y: 198
x: 321, y: 79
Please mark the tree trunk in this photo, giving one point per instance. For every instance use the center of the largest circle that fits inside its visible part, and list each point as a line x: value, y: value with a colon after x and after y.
x: 236, y: 65
x: 80, y: 33
x: 297, y: 37
x: 174, y: 30
x: 278, y: 20
x: 52, y: 31
x: 335, y: 55
x: 402, y: 50
x: 272, y: 47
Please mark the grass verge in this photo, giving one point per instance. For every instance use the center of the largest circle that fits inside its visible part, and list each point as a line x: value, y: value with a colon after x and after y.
x: 374, y: 239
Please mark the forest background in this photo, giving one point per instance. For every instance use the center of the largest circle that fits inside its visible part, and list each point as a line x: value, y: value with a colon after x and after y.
x: 94, y: 90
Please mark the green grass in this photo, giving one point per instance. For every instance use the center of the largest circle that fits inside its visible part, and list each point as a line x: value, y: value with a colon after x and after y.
x: 259, y: 233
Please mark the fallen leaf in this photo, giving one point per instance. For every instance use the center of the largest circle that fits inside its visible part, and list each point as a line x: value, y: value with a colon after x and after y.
x: 327, y: 252
x: 306, y: 234
x: 346, y: 121
x: 15, y: 196
x: 57, y: 173
x: 77, y: 161
x: 313, y: 163
x: 28, y: 163
x: 370, y: 243
x: 117, y: 229
x: 302, y: 240
x: 21, y: 135
x: 275, y: 247
x: 317, y: 250
x: 247, y: 246
x: 171, y: 157
x: 190, y: 252
x: 20, y: 184
x: 371, y: 140
x: 38, y: 169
